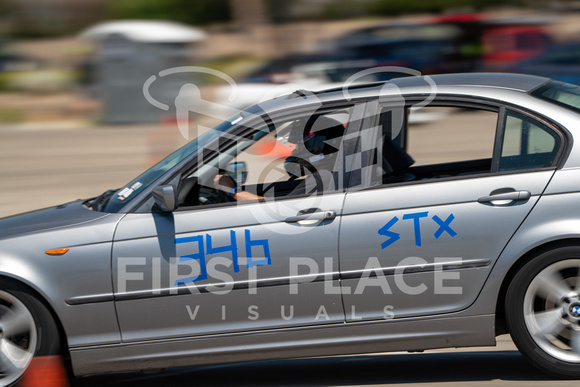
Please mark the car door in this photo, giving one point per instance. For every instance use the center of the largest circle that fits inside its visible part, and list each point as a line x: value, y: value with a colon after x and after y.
x: 420, y: 237
x: 214, y: 267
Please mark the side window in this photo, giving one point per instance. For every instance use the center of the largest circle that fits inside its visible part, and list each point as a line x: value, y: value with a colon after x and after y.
x: 298, y: 158
x: 527, y: 144
x: 439, y: 141
x: 440, y: 135
x: 294, y: 156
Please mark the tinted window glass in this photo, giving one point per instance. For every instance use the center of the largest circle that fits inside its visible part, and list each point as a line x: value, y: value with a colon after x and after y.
x: 527, y: 144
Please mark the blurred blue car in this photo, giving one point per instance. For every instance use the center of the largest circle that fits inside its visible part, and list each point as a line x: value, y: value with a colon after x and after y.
x: 561, y: 63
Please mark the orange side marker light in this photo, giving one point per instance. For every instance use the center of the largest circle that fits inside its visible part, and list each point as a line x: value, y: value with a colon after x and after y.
x: 57, y: 251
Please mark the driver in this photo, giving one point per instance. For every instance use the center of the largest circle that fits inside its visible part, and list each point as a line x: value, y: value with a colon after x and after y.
x: 317, y: 141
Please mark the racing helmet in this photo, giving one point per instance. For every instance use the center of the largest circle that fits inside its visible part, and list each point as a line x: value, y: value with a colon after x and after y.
x: 317, y: 141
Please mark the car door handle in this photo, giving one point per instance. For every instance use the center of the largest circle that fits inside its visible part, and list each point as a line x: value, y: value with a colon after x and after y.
x: 512, y: 196
x: 319, y: 215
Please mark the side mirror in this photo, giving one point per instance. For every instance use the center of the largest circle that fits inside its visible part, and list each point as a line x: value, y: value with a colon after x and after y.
x: 238, y: 171
x: 165, y: 197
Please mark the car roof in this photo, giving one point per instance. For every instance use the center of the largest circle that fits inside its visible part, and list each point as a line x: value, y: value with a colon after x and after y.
x: 461, y: 83
x: 521, y: 82
x: 517, y: 82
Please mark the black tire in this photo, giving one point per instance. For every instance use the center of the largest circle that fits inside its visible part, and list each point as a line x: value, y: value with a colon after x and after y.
x: 543, y: 311
x: 27, y: 329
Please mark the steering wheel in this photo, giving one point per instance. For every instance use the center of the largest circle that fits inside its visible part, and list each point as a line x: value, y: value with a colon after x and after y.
x: 276, y: 167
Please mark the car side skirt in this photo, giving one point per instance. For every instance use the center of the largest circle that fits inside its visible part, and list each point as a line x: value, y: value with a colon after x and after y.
x: 328, y: 340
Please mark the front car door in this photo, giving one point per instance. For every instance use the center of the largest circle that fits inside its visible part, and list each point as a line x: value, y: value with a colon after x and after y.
x: 261, y: 256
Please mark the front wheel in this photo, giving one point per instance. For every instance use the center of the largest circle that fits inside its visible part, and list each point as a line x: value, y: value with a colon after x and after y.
x: 26, y: 330
x: 543, y: 311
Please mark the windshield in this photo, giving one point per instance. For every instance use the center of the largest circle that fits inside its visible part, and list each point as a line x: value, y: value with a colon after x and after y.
x: 124, y: 195
x: 563, y: 94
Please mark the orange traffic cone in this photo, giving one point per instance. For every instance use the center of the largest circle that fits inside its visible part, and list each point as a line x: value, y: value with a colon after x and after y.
x: 45, y: 371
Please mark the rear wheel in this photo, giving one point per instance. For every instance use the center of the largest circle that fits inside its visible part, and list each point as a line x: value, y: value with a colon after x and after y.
x: 26, y: 330
x: 543, y: 311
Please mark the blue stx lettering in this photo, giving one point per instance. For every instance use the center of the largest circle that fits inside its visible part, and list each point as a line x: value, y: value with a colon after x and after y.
x: 444, y: 226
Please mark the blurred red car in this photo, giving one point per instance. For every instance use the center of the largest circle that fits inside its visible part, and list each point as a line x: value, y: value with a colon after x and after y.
x: 503, y: 46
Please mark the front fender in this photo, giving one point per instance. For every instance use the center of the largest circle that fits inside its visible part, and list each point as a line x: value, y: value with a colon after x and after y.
x: 83, y: 271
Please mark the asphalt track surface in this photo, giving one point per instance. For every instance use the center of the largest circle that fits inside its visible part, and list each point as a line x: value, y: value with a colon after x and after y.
x: 49, y: 165
x: 469, y: 369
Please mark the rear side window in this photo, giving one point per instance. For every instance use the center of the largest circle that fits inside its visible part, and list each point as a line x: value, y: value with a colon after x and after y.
x: 527, y: 144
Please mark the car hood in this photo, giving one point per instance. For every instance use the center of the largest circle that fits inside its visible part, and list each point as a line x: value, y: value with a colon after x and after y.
x: 69, y: 214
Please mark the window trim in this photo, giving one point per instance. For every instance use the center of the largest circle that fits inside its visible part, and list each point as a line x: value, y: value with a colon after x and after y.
x: 485, y: 104
x: 499, y: 136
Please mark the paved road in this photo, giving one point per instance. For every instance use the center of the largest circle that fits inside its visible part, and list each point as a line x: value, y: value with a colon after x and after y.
x: 41, y: 167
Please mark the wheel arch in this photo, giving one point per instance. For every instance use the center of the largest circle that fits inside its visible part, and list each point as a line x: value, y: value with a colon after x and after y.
x: 500, y: 319
x: 22, y: 285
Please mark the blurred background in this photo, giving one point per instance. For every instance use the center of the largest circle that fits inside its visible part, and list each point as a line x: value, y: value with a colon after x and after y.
x: 91, y: 91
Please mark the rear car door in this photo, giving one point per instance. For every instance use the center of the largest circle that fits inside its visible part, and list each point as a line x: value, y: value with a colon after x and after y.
x: 450, y: 186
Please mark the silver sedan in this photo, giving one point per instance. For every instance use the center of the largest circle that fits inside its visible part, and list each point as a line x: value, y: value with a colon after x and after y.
x: 418, y: 213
